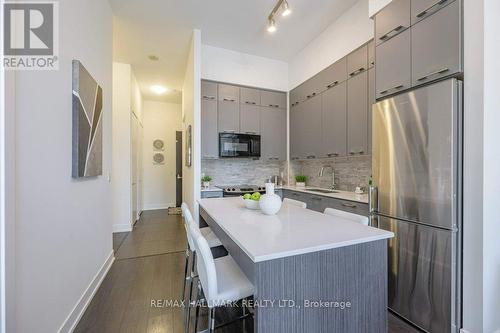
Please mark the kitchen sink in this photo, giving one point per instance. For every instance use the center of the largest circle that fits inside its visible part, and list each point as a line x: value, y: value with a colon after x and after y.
x: 322, y: 190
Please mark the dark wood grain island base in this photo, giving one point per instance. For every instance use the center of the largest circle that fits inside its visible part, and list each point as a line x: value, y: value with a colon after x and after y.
x: 340, y: 290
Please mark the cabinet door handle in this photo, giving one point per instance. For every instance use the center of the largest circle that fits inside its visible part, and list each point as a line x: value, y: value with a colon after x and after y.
x: 391, y: 89
x: 440, y: 71
x: 357, y: 71
x: 333, y: 84
x: 251, y: 103
x: 228, y: 131
x: 397, y: 29
x: 332, y: 155
x: 311, y: 156
x: 349, y: 205
x: 425, y: 11
x: 316, y: 198
x: 209, y: 97
x: 228, y: 100
x: 312, y: 95
x: 274, y: 105
x: 250, y: 132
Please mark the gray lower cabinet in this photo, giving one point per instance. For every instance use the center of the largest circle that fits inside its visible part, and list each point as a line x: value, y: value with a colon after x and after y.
x: 392, y: 20
x: 436, y: 45
x: 334, y: 121
x: 229, y: 116
x: 273, y: 134
x: 393, y: 65
x: 319, y: 203
x: 357, y: 115
x: 250, y: 119
x: 357, y: 61
x: 209, y: 132
x: 211, y: 194
x: 371, y: 101
x: 423, y: 8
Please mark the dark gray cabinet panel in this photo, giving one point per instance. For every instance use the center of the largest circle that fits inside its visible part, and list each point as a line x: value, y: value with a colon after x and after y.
x: 423, y: 8
x: 357, y: 106
x: 209, y: 133
x: 333, y: 75
x: 357, y: 61
x: 371, y: 53
x: 392, y: 20
x: 371, y: 101
x: 209, y: 90
x: 393, y: 70
x: 319, y: 203
x: 273, y: 134
x: 273, y: 99
x: 229, y: 93
x: 229, y: 116
x: 436, y: 45
x: 334, y: 121
x: 249, y: 96
x: 310, y: 128
x: 250, y: 119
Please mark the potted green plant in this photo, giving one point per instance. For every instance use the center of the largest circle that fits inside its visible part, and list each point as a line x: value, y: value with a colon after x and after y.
x: 300, y: 180
x: 206, y: 181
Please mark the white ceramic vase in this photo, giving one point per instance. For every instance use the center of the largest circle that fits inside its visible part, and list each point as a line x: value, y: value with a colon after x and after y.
x: 206, y: 184
x: 270, y: 203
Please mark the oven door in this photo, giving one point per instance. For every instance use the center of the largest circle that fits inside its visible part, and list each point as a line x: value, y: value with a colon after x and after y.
x: 239, y: 145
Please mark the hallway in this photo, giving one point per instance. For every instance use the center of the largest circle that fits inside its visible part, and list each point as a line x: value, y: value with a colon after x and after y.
x: 149, y: 265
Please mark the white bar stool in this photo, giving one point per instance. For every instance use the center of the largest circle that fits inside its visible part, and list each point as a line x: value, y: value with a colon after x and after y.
x: 221, y: 280
x: 346, y: 215
x: 293, y: 202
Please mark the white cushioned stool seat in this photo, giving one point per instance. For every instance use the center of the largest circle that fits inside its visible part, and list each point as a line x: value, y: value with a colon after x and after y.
x: 232, y: 283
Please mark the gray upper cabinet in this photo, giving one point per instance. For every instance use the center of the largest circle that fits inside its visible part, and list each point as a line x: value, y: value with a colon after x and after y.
x: 313, y: 87
x: 273, y: 134
x: 250, y: 119
x: 209, y: 90
x: 436, y: 45
x: 229, y: 93
x: 357, y: 115
x: 296, y: 112
x: 310, y: 133
x: 371, y: 53
x: 357, y: 61
x: 334, y: 121
x: 392, y: 20
x: 229, y: 116
x: 371, y: 101
x: 421, y: 9
x: 333, y: 75
x: 209, y: 133
x: 249, y: 96
x: 393, y: 70
x: 273, y: 99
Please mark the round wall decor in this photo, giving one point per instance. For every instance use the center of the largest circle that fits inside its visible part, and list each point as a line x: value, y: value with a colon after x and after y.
x: 158, y: 144
x: 158, y: 158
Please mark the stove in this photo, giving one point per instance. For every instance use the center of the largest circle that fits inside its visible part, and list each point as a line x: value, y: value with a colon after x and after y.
x: 237, y: 190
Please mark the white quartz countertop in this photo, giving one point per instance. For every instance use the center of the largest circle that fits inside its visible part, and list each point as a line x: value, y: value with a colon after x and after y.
x: 343, y: 195
x: 293, y: 231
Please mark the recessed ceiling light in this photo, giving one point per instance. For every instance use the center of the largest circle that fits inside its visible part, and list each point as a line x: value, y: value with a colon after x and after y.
x: 271, y: 26
x: 286, y: 9
x: 159, y: 90
x: 152, y: 57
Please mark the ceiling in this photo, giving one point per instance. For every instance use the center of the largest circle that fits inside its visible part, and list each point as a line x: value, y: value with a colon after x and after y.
x: 164, y: 27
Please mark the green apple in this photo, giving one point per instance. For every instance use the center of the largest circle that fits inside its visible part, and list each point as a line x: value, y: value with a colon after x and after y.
x: 247, y: 196
x: 256, y: 196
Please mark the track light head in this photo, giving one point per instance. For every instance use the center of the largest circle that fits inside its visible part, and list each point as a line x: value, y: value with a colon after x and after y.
x: 271, y: 25
x: 285, y: 9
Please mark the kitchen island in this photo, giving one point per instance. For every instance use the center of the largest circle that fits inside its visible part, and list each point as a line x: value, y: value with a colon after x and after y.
x: 311, y: 272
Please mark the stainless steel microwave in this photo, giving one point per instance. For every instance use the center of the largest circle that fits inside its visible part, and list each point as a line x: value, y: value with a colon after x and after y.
x: 239, y: 145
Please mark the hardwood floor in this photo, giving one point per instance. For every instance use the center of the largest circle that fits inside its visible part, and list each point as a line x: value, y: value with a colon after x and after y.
x: 149, y: 266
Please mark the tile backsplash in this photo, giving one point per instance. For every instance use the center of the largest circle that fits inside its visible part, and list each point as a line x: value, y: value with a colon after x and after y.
x: 241, y: 170
x: 350, y: 172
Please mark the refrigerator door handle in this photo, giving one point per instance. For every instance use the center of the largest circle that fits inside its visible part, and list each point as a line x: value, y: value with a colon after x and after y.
x: 373, y: 205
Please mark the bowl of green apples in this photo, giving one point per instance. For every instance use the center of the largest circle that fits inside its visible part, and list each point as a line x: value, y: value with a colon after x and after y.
x: 252, y: 200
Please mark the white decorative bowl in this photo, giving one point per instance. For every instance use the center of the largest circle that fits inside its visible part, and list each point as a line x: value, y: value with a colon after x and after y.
x: 251, y: 204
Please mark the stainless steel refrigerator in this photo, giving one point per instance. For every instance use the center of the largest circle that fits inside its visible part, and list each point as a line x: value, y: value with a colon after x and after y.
x: 416, y: 193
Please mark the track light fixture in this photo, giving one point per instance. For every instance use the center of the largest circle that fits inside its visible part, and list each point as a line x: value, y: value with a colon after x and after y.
x: 285, y: 11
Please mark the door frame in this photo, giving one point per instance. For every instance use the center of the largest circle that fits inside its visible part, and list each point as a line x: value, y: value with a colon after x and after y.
x: 178, y: 167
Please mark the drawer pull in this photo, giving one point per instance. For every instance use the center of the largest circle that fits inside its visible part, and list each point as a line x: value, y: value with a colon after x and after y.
x: 349, y: 205
x: 391, y: 89
x: 311, y: 157
x: 209, y: 97
x: 357, y: 71
x: 332, y: 155
x: 228, y: 100
x: 333, y: 84
x: 441, y: 71
x: 397, y: 29
x: 425, y: 11
x: 316, y: 198
x: 251, y: 103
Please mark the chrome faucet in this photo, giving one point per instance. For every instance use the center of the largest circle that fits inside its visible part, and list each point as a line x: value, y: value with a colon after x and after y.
x: 322, y: 171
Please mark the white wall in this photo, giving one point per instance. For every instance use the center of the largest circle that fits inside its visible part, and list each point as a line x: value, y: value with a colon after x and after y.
x: 63, y: 229
x: 191, y: 115
x: 376, y: 5
x: 350, y: 31
x: 229, y: 66
x: 161, y: 121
